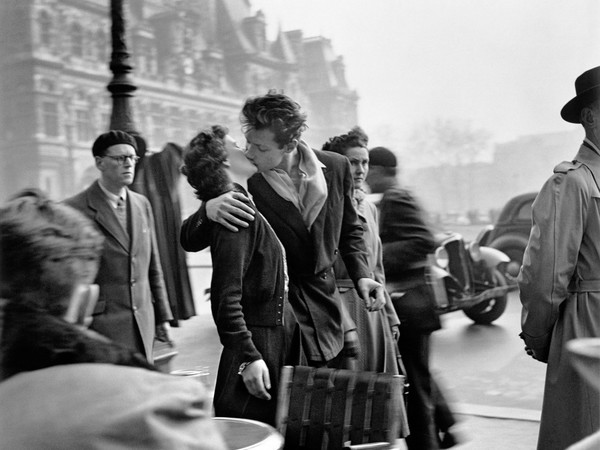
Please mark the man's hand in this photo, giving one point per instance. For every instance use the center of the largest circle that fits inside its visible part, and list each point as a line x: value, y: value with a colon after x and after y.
x: 372, y: 293
x: 396, y: 332
x: 257, y: 380
x: 230, y: 210
x: 162, y: 332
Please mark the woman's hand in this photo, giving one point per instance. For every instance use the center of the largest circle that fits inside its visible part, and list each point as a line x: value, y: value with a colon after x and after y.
x: 257, y: 380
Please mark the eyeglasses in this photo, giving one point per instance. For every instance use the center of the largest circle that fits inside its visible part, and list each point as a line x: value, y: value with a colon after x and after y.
x: 122, y: 158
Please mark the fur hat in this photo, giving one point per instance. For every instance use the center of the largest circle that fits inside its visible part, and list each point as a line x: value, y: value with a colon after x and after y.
x: 381, y: 156
x: 587, y: 88
x: 110, y: 138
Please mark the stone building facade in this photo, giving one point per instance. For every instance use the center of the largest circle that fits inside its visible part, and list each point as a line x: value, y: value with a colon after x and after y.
x: 195, y: 62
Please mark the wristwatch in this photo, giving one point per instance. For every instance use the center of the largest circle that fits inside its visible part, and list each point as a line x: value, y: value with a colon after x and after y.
x: 243, y: 367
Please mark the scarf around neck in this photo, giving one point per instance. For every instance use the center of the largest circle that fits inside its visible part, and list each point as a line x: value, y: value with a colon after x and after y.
x: 312, y: 192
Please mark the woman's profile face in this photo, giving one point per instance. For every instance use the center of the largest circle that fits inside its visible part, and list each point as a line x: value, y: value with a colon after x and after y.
x: 238, y: 162
x: 359, y: 164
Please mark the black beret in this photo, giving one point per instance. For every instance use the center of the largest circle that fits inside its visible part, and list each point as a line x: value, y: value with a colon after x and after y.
x: 110, y: 138
x: 381, y: 156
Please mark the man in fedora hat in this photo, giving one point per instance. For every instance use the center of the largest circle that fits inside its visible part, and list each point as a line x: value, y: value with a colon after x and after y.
x: 560, y: 278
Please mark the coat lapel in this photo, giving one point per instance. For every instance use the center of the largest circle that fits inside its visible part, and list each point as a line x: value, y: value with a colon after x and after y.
x: 317, y: 229
x: 279, y: 207
x: 105, y: 217
x: 138, y: 226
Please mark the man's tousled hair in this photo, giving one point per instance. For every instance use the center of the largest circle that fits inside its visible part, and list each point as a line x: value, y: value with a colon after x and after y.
x: 276, y: 112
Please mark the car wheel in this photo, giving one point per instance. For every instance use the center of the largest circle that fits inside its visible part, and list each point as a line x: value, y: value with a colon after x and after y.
x: 486, y: 312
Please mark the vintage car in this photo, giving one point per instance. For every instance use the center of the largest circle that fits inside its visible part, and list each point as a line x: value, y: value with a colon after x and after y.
x: 510, y: 233
x: 469, y: 277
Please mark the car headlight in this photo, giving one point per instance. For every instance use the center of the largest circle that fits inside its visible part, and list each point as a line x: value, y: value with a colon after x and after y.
x: 441, y: 257
x: 475, y: 251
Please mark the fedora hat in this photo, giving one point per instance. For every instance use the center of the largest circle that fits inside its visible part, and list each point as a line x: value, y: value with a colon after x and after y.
x: 587, y: 88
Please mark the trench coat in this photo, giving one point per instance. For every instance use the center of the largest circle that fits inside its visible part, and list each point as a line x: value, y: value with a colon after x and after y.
x: 132, y: 298
x: 559, y: 287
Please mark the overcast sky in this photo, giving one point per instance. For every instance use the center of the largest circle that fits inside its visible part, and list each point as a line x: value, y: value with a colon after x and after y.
x: 507, y: 66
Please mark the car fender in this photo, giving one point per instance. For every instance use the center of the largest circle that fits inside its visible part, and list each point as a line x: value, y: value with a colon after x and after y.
x: 492, y: 257
x: 484, y: 235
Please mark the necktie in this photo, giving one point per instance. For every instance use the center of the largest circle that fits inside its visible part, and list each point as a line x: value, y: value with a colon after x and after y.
x: 121, y: 212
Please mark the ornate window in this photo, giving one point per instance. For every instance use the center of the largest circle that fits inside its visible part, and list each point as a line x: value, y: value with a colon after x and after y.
x: 83, y: 131
x: 45, y: 27
x: 77, y: 40
x: 101, y: 46
x: 50, y: 118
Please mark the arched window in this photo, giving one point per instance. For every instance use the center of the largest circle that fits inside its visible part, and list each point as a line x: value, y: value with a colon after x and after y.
x: 101, y: 46
x: 77, y: 40
x: 45, y: 26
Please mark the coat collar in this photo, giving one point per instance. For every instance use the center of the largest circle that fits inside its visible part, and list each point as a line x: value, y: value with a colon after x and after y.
x: 589, y: 157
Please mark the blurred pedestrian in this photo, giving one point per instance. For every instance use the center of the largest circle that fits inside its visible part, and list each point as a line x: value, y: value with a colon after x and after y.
x: 377, y: 330
x: 407, y: 242
x: 559, y: 281
x: 306, y: 196
x: 49, y: 255
x: 62, y: 385
x: 249, y: 286
x: 133, y: 306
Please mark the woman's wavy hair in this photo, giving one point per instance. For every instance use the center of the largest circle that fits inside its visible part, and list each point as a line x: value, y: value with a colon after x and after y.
x: 203, y: 163
x: 35, y: 230
x: 276, y: 112
x: 356, y: 137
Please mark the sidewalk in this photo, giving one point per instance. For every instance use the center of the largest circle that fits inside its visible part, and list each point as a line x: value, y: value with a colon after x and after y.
x: 480, y: 427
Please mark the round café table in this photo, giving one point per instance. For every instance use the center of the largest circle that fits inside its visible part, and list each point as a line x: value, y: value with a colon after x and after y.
x: 245, y: 434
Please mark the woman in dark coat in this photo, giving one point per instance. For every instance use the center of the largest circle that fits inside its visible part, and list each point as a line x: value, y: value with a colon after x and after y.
x: 248, y: 289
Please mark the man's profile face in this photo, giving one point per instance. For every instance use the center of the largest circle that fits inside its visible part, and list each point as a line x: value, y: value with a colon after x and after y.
x: 116, y: 173
x: 262, y: 150
x: 376, y: 179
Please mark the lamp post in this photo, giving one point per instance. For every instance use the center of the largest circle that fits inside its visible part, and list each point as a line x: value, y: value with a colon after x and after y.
x: 121, y: 86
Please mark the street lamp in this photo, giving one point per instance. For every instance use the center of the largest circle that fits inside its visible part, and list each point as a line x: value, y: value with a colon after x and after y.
x: 121, y: 86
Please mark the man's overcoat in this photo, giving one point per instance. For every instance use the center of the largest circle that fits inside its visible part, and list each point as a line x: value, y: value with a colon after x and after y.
x: 560, y: 291
x: 132, y: 297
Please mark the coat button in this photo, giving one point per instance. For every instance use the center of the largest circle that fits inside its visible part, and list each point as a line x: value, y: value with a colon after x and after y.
x: 135, y: 308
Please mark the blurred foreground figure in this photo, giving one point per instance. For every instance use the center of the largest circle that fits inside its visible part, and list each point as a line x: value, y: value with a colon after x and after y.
x: 101, y: 406
x: 49, y: 254
x: 560, y: 277
x: 51, y: 394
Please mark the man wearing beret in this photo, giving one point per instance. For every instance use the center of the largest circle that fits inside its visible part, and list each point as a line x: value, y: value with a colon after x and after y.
x: 559, y: 281
x: 132, y: 306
